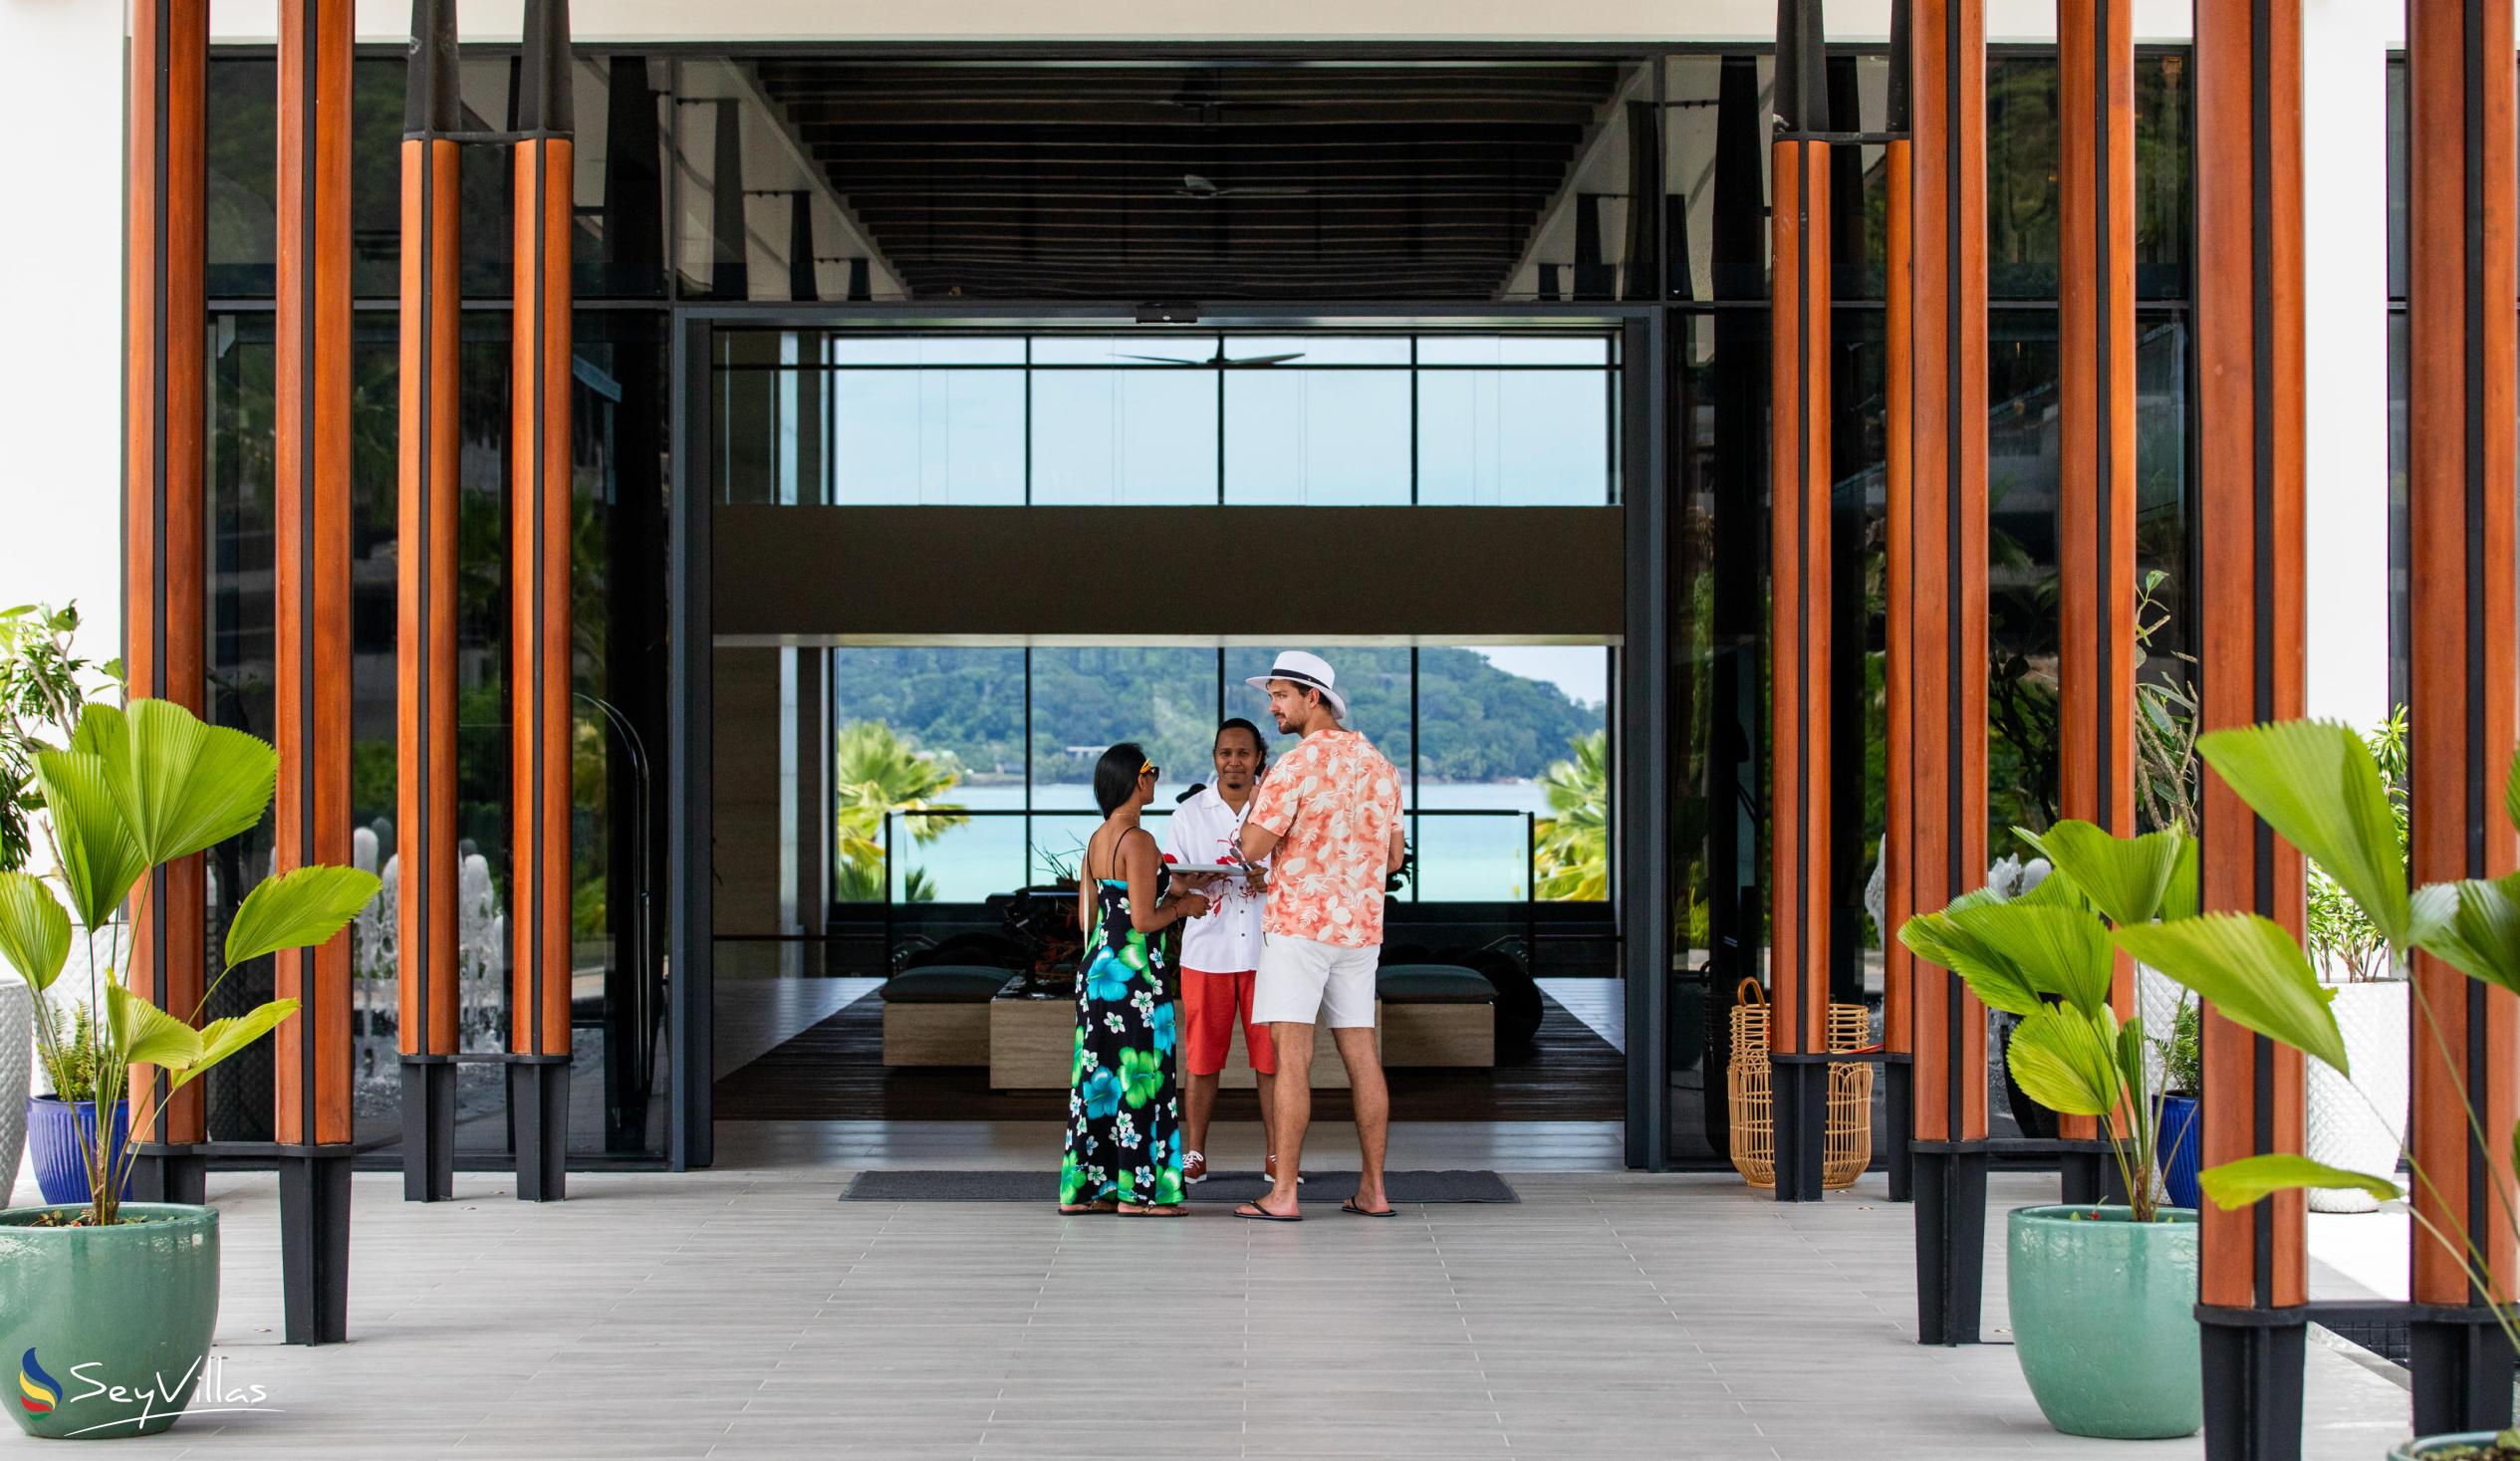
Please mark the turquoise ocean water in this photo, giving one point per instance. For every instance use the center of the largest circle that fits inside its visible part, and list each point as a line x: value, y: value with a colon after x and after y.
x: 1481, y: 857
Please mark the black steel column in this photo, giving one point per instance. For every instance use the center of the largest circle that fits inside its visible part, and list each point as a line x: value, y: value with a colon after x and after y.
x: 428, y: 917
x: 1803, y: 627
x: 1736, y: 794
x: 539, y: 645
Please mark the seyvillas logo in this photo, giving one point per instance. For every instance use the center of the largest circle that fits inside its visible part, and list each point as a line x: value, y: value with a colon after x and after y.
x: 129, y: 1406
x: 36, y: 1391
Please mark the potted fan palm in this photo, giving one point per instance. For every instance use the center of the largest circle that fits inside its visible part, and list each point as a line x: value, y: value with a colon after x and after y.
x: 2103, y: 1296
x: 111, y: 1305
x: 2319, y: 786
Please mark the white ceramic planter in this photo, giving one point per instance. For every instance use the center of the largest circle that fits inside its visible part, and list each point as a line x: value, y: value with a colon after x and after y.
x: 2158, y: 998
x: 2361, y: 1131
x: 17, y: 1057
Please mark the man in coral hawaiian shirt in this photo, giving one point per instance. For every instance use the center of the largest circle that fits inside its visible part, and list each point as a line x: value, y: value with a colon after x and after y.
x: 1327, y: 815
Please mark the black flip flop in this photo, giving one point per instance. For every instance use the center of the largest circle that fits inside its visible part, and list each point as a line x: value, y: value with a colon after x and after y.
x: 1259, y: 1214
x: 1350, y: 1206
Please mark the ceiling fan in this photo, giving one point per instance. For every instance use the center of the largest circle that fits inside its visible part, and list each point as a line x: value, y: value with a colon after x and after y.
x: 1218, y: 358
x: 1198, y: 185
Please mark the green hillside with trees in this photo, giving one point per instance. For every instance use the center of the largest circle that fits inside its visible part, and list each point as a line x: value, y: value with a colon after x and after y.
x: 1477, y: 722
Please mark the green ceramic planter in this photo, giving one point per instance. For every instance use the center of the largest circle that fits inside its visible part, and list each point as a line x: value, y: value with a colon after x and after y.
x: 2104, y: 1320
x: 2422, y: 1446
x: 108, y: 1329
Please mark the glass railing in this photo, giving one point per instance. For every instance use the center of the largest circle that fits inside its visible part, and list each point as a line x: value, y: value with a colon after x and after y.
x: 1463, y: 855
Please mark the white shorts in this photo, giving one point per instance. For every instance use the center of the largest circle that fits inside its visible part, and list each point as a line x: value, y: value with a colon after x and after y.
x: 1302, y: 982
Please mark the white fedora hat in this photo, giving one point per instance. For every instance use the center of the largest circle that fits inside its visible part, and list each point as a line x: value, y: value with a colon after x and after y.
x: 1298, y: 667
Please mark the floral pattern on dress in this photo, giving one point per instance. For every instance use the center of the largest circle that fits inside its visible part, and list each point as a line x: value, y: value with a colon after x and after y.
x: 1333, y: 801
x: 1124, y: 1101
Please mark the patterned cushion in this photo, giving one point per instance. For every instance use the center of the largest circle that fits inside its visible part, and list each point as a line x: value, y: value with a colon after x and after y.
x: 946, y: 984
x: 1433, y: 984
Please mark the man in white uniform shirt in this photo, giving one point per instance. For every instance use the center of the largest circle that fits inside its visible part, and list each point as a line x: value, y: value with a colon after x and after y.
x: 1221, y: 950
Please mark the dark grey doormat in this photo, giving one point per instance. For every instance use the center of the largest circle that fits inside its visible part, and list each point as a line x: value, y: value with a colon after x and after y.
x: 1320, y: 1188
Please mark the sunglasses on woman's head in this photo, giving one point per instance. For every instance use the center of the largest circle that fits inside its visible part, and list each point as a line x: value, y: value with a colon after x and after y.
x: 1151, y: 768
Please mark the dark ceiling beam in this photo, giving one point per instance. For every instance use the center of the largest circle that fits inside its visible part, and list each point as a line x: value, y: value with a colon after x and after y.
x: 1278, y: 137
x: 1043, y: 163
x: 1130, y: 216
x: 1069, y: 111
x: 1151, y: 246
x: 1120, y: 284
x: 1387, y: 265
x: 1186, y: 88
x: 1362, y: 177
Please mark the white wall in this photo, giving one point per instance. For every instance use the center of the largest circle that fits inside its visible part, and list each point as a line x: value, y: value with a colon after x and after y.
x: 61, y: 388
x: 2345, y: 285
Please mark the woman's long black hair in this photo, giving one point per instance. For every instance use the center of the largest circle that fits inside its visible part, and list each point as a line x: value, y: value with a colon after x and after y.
x: 1115, y: 776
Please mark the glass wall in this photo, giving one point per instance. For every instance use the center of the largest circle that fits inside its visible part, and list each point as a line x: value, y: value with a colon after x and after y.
x: 977, y: 763
x: 851, y: 419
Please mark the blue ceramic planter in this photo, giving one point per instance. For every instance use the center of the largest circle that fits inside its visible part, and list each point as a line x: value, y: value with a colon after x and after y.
x: 59, y: 1134
x: 2175, y: 1144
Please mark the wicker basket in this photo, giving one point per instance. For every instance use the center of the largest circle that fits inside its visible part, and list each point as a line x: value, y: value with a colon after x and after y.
x: 1748, y: 1094
x: 1848, y: 1145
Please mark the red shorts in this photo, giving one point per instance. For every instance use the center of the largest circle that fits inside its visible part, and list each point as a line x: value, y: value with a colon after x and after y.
x: 1210, y: 1005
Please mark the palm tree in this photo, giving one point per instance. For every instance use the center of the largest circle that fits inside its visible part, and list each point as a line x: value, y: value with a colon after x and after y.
x: 863, y: 882
x: 1573, y: 860
x: 879, y: 775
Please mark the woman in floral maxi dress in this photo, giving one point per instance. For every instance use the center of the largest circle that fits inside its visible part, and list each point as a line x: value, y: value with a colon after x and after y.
x: 1124, y: 1105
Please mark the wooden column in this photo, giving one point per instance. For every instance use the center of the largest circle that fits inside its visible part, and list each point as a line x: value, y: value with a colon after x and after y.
x: 1898, y: 973
x: 2460, y: 288
x: 2096, y: 489
x: 539, y: 657
x: 1798, y: 650
x: 425, y: 639
x: 1938, y: 833
x: 2249, y: 484
x: 311, y: 452
x: 166, y: 319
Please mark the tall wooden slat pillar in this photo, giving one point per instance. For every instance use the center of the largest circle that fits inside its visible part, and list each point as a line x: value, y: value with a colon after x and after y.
x: 2096, y: 489
x: 2249, y: 484
x: 1937, y: 833
x: 165, y: 314
x: 2460, y: 526
x: 311, y: 451
x: 424, y: 640
x: 539, y: 645
x: 1898, y: 968
x: 1798, y: 606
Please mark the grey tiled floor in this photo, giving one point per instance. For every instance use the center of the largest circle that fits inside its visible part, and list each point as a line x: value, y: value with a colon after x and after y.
x: 743, y: 1312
